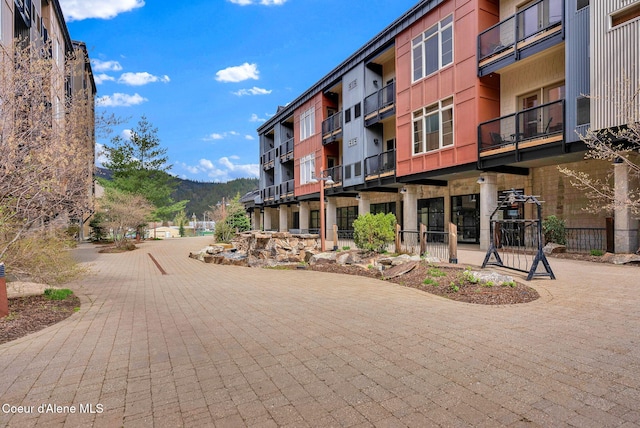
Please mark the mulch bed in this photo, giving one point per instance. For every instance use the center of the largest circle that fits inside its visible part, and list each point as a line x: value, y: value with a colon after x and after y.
x: 463, y: 291
x: 33, y: 313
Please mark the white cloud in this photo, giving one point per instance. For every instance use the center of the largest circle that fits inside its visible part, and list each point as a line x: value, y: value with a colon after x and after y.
x: 143, y: 78
x: 238, y: 73
x: 102, y: 77
x: 255, y: 118
x: 253, y: 91
x: 120, y: 100
x: 262, y: 2
x: 126, y: 134
x: 77, y: 10
x: 99, y: 65
x: 218, y: 136
x: 101, y: 157
x: 249, y: 137
x: 224, y: 169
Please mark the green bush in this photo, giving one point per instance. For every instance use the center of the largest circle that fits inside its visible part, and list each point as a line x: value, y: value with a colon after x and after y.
x: 57, y: 294
x: 372, y: 232
x: 553, y: 229
x: 597, y: 253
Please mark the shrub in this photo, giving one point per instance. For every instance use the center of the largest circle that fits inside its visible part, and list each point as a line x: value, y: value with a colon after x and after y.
x: 57, y: 294
x: 372, y: 232
x: 553, y: 229
x: 597, y: 253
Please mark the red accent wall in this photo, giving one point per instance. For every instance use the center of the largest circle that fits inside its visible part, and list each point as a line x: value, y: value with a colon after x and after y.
x: 475, y: 100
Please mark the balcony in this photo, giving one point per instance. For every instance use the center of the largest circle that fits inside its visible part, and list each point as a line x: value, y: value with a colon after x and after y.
x: 336, y: 175
x: 286, y: 151
x: 380, y: 105
x: 532, y: 30
x: 380, y: 166
x: 529, y: 129
x: 332, y: 128
x: 268, y: 194
x: 285, y: 190
x: 267, y: 159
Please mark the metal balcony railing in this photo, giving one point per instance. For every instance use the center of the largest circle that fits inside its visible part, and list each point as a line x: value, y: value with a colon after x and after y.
x: 267, y: 159
x: 336, y: 175
x: 286, y: 150
x: 380, y: 104
x: 286, y: 189
x: 379, y: 165
x: 533, y: 126
x: 529, y: 26
x: 332, y: 126
x: 268, y: 193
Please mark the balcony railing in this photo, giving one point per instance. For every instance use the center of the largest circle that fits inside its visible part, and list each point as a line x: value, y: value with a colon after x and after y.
x: 267, y: 159
x: 286, y: 150
x: 336, y: 175
x: 527, y: 128
x: 380, y: 165
x: 332, y: 128
x: 510, y: 39
x: 380, y: 105
x: 286, y: 189
x: 269, y: 194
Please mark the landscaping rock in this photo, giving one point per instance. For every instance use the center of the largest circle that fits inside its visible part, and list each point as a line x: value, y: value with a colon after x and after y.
x: 492, y: 276
x: 553, y: 248
x: 621, y: 259
x: 400, y: 269
x: 327, y: 257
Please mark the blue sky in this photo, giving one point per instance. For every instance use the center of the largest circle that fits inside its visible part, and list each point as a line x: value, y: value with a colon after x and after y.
x: 207, y: 73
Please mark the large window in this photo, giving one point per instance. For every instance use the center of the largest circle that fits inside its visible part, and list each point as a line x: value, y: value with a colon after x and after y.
x: 345, y: 217
x: 433, y: 49
x: 307, y: 123
x: 433, y: 127
x: 307, y: 168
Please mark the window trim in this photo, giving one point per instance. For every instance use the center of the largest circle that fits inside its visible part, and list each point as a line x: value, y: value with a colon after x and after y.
x: 419, y: 42
x: 421, y: 115
x: 307, y: 168
x: 307, y: 123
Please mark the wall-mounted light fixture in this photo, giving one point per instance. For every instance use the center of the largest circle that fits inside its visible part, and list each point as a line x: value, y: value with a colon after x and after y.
x: 480, y: 180
x: 403, y: 190
x: 376, y: 141
x: 358, y: 196
x: 618, y: 160
x: 375, y: 83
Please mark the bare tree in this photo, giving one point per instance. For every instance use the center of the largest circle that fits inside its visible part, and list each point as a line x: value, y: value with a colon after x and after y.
x: 123, y: 212
x: 619, y: 145
x: 46, y: 145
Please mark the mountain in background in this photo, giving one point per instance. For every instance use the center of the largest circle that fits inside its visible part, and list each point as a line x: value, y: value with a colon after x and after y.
x: 201, y: 195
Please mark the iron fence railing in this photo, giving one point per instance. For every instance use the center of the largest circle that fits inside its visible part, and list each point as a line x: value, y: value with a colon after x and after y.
x: 585, y: 239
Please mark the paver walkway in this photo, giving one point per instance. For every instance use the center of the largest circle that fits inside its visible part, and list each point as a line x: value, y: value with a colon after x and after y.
x: 210, y: 345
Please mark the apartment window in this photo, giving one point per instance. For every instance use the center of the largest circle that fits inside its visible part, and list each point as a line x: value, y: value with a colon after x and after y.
x: 433, y: 49
x: 384, y: 208
x: 357, y: 110
x: 347, y: 115
x: 583, y: 110
x: 345, y: 217
x: 433, y: 127
x: 314, y: 219
x: 581, y: 4
x: 307, y: 123
x: 625, y: 15
x: 307, y: 168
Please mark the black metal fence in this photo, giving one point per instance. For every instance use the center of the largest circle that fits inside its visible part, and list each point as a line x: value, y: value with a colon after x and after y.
x: 585, y: 239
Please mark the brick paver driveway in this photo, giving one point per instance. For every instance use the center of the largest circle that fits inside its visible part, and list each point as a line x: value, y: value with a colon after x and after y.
x: 211, y: 345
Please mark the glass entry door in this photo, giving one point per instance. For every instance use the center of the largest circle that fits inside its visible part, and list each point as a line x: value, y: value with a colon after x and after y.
x: 465, y: 214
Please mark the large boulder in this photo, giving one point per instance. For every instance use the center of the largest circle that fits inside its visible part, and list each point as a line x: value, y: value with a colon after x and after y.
x: 553, y: 248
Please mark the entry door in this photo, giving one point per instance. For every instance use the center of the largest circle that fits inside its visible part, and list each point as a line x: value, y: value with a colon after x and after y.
x: 529, y: 123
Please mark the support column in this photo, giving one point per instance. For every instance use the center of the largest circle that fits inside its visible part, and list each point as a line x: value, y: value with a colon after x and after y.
x: 626, y: 227
x: 267, y: 218
x: 364, y: 204
x: 331, y: 219
x: 410, y: 202
x: 304, y: 216
x: 283, y: 216
x: 488, y: 203
x: 256, y: 215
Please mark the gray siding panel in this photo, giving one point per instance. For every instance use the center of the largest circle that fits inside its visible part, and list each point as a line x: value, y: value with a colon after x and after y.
x: 577, y: 64
x: 615, y: 66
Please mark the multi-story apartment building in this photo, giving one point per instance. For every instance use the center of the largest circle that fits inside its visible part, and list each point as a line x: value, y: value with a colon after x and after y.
x: 452, y: 104
x: 41, y: 23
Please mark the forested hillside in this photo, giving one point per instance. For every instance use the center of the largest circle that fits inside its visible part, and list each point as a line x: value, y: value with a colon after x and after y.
x: 202, y: 195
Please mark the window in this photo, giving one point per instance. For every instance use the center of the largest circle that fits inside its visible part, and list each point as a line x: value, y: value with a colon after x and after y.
x: 583, y: 110
x: 307, y: 124
x: 314, y: 220
x: 384, y: 208
x: 581, y: 4
x: 433, y: 127
x: 347, y: 115
x: 345, y: 217
x: 307, y: 168
x: 625, y: 15
x: 357, y: 110
x: 433, y: 49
